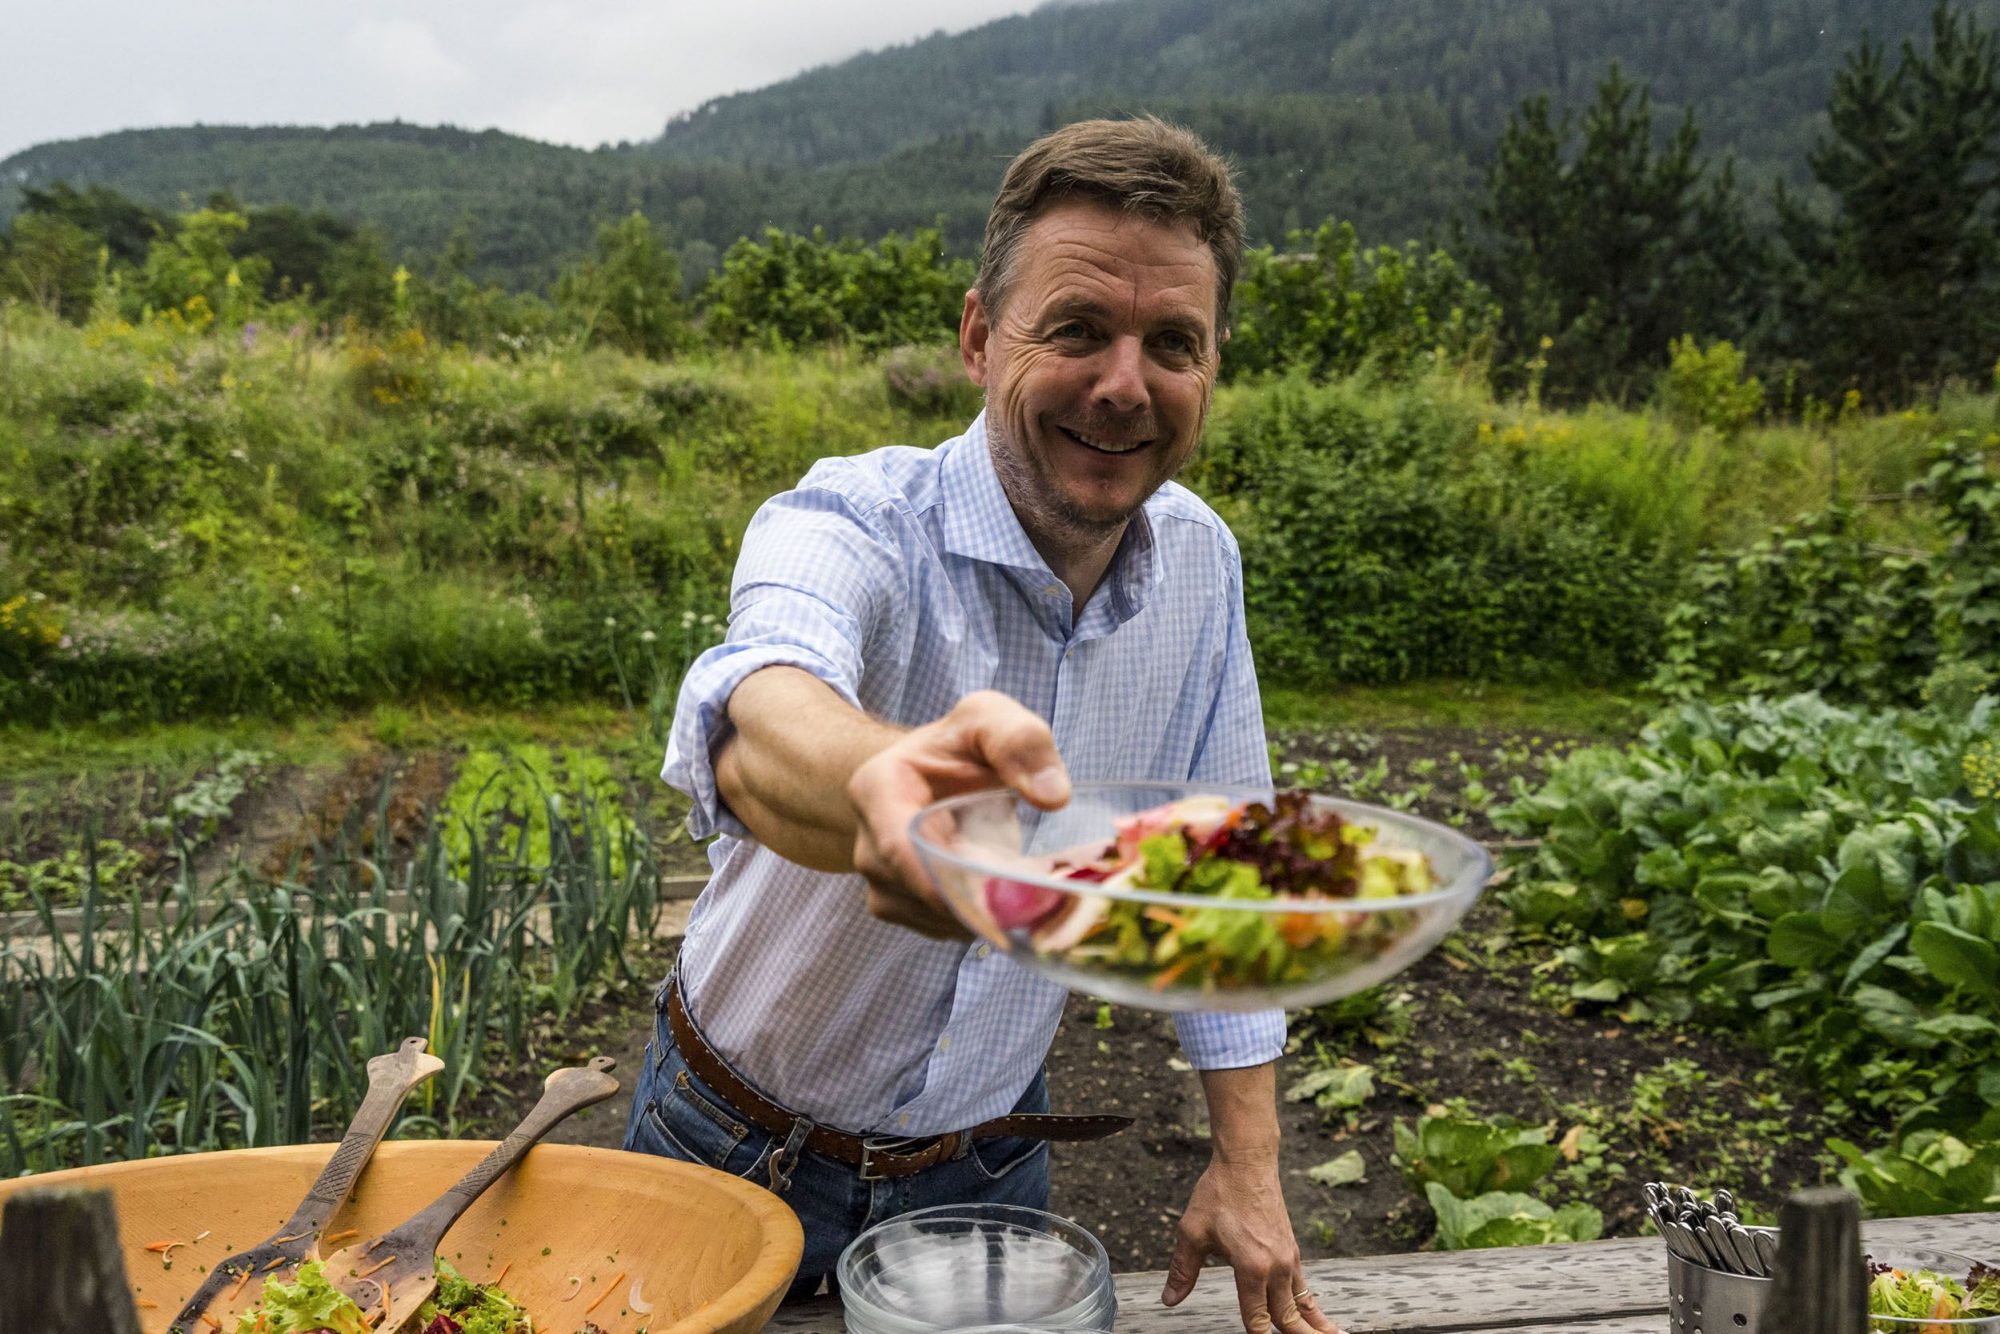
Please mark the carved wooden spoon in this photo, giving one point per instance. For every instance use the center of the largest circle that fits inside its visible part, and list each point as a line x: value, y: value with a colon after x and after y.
x: 390, y: 1078
x: 395, y: 1273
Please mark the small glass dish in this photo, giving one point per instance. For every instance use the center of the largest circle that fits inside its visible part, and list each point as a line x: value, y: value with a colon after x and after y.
x: 967, y: 1266
x: 1254, y: 953
x: 1948, y: 1263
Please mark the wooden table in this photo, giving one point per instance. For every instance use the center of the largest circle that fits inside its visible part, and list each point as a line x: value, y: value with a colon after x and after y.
x: 1599, y: 1287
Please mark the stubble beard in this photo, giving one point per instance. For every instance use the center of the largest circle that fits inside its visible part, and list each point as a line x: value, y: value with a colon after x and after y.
x: 1033, y: 490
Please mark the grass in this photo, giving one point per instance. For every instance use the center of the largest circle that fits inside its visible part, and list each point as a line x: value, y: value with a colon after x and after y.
x: 1591, y: 711
x: 326, y: 740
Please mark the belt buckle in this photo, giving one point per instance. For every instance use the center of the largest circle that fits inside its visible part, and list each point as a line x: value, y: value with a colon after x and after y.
x: 884, y: 1144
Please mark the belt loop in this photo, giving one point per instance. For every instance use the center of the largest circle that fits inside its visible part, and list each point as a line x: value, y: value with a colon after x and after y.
x: 785, y: 1158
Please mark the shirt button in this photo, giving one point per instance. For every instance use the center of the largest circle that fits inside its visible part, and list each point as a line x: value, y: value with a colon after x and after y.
x: 903, y: 1120
x: 983, y: 951
x: 1052, y: 590
x: 944, y: 1043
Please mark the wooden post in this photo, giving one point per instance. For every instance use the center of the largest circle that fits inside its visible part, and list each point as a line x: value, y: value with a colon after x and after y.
x: 1821, y: 1286
x: 62, y: 1271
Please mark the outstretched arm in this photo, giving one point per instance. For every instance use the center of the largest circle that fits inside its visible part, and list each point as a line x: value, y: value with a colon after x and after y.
x: 821, y: 783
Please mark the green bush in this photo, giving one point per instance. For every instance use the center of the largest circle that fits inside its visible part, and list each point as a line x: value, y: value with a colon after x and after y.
x: 1707, y: 388
x: 1380, y: 543
x: 1326, y: 307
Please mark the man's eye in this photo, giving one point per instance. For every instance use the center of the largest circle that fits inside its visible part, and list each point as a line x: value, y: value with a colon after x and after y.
x: 1179, y: 344
x: 1070, y: 329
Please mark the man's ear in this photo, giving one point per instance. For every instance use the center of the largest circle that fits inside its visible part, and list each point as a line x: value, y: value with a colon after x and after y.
x: 973, y: 330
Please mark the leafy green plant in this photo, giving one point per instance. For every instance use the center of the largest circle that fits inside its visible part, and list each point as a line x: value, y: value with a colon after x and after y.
x: 1508, y: 1218
x: 1819, y: 879
x: 1470, y: 1157
x: 1929, y: 1172
x: 506, y: 806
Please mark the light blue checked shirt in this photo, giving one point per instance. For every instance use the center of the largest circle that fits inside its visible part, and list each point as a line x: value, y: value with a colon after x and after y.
x: 903, y: 580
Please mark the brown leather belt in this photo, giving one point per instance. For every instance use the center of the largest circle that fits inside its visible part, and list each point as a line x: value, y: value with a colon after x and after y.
x: 878, y: 1156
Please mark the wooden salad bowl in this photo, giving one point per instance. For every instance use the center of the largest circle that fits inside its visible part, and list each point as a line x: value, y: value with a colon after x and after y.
x: 705, y: 1250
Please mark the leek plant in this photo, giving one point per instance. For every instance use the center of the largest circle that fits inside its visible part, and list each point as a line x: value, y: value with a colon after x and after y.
x: 241, y: 1012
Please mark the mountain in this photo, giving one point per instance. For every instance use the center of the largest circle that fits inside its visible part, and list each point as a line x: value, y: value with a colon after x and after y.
x: 1378, y: 111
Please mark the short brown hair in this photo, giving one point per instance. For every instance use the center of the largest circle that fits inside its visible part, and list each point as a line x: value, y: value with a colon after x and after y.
x: 1158, y: 171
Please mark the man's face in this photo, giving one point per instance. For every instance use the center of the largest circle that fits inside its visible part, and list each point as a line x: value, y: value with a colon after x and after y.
x: 1098, y: 369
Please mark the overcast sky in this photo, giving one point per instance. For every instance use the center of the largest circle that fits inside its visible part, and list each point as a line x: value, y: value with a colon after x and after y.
x: 586, y: 72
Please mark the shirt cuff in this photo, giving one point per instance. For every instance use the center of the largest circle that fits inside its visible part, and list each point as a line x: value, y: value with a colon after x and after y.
x: 1215, y: 1041
x: 702, y: 726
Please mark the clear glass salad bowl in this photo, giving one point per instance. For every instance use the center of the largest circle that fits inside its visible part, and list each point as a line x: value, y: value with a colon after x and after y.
x: 1035, y: 885
x: 959, y: 1267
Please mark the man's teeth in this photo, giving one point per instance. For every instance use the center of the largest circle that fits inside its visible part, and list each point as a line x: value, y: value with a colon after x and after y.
x: 1104, y: 446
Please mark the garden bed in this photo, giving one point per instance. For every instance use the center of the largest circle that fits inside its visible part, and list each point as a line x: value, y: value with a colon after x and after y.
x: 1469, y: 1027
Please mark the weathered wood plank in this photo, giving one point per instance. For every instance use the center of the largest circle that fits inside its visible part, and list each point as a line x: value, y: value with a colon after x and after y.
x: 63, y: 1271
x: 1601, y: 1287
x: 1820, y: 1286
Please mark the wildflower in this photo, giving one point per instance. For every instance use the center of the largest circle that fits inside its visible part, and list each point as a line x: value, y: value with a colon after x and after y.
x: 687, y: 618
x: 611, y: 622
x: 297, y: 592
x: 647, y: 636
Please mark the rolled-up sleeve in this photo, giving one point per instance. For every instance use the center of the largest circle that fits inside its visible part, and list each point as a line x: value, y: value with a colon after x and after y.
x: 1233, y: 751
x: 812, y: 581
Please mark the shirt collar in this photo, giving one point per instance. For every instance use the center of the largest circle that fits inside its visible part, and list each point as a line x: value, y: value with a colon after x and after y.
x: 980, y: 524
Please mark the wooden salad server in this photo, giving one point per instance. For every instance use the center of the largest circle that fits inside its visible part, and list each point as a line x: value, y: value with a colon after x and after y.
x: 390, y: 1078
x: 390, y: 1276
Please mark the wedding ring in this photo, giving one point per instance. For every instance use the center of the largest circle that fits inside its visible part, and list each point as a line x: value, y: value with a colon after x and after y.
x: 1302, y: 1296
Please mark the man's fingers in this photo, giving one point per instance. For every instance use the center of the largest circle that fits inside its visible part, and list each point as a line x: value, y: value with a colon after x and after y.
x: 1299, y: 1307
x: 1289, y: 1300
x: 1182, y: 1270
x: 1017, y: 744
x: 1253, y: 1296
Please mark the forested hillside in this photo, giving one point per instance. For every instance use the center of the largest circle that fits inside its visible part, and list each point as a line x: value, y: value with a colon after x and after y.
x: 1380, y: 114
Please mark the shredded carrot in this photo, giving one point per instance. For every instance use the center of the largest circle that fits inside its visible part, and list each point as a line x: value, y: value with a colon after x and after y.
x: 1165, y: 917
x: 274, y: 1264
x: 503, y: 1271
x: 145, y: 1303
x: 210, y: 1321
x: 340, y: 1236
x: 377, y: 1267
x: 241, y: 1279
x: 609, y: 1289
x: 293, y: 1236
x: 164, y: 1247
x: 1171, y: 974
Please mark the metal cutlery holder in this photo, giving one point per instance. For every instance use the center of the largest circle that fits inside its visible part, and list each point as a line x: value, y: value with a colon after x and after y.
x: 1701, y: 1300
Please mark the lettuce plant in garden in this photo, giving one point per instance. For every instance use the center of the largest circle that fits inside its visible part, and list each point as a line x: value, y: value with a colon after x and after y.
x: 1825, y: 880
x: 1475, y: 1174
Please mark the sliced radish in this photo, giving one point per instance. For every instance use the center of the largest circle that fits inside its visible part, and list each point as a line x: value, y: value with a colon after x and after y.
x: 1015, y: 904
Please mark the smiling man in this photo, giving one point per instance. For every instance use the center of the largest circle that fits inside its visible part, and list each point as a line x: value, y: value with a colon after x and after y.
x: 1031, y: 602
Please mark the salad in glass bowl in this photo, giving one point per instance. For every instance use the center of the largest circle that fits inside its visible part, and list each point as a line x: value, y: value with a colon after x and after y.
x: 1184, y: 897
x: 1932, y: 1292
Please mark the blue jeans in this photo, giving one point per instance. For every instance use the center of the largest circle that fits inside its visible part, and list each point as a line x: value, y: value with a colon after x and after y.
x: 676, y: 1115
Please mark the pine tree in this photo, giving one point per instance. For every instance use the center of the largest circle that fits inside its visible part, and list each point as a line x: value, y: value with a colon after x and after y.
x: 1601, y: 260
x: 1898, y: 289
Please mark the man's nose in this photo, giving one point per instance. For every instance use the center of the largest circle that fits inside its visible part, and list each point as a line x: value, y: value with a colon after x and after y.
x: 1121, y: 381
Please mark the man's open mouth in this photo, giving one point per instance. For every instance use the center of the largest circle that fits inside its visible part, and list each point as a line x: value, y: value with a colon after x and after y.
x: 1104, y: 444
